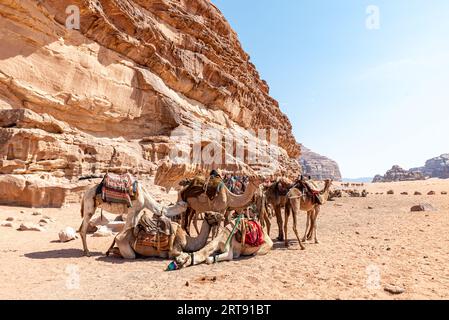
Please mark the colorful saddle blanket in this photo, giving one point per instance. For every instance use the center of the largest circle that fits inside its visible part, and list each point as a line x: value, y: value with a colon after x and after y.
x: 250, y: 233
x: 311, y: 188
x: 119, y: 188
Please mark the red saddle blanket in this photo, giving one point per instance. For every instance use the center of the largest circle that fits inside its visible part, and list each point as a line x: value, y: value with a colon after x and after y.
x: 253, y: 233
x: 119, y: 188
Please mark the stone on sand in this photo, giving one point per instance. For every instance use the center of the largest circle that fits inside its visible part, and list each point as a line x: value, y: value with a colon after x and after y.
x: 7, y: 224
x: 28, y: 226
x: 423, y: 207
x: 67, y: 234
x: 394, y: 289
x: 103, y: 231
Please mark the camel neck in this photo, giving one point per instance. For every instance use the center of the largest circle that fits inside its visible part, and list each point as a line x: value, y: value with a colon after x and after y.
x: 195, y: 244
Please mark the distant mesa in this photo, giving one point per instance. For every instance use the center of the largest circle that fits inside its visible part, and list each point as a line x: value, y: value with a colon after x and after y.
x: 434, y: 168
x: 317, y: 166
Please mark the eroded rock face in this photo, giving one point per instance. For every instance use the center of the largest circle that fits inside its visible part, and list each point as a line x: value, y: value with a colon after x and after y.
x: 396, y: 173
x: 109, y: 96
x: 319, y: 167
x: 437, y: 167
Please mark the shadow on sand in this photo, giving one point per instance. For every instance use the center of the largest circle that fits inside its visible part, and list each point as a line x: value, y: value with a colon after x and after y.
x: 60, y: 254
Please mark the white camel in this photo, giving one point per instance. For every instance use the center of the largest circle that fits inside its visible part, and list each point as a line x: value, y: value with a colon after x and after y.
x: 143, y: 200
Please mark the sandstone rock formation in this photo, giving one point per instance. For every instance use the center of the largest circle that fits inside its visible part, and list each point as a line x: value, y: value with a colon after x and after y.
x: 111, y: 95
x: 318, y: 166
x: 396, y: 173
x: 437, y: 167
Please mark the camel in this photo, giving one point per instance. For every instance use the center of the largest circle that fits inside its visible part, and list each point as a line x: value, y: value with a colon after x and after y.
x: 143, y: 200
x: 224, y: 201
x: 179, y: 241
x: 229, y: 248
x: 297, y: 201
x: 278, y: 201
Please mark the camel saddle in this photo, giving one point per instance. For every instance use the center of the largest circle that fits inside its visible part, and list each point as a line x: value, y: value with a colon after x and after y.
x: 200, y: 184
x: 309, y: 187
x: 250, y: 233
x: 118, y: 188
x: 153, y: 233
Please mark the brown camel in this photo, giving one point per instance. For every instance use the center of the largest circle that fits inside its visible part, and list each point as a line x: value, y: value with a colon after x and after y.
x: 299, y: 201
x: 179, y: 241
x: 277, y: 200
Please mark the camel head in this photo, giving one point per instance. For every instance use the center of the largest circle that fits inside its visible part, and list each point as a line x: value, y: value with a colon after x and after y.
x: 213, y: 218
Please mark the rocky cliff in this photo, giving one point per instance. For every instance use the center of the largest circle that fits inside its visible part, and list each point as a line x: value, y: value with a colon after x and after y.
x: 111, y: 95
x: 437, y: 167
x: 396, y: 173
x: 318, y: 167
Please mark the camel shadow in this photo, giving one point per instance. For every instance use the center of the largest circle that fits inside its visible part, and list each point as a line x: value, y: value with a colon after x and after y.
x: 118, y: 260
x: 59, y: 254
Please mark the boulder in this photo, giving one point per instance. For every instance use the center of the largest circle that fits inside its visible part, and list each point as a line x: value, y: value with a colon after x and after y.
x: 67, y: 234
x: 103, y: 231
x: 431, y: 193
x: 28, y: 226
x: 422, y: 207
x: 7, y: 224
x: 390, y: 192
x: 417, y: 193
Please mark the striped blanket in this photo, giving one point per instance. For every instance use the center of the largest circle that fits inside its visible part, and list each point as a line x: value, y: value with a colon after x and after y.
x: 119, y: 188
x: 250, y: 233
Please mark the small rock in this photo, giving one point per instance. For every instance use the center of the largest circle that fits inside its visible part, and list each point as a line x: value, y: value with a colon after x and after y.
x: 10, y: 219
x: 444, y: 193
x: 394, y: 289
x: 370, y: 208
x: 417, y: 193
x: 7, y: 224
x: 67, y: 234
x: 187, y: 283
x: 48, y: 218
x: 404, y: 193
x: 431, y: 193
x: 357, y: 232
x: 390, y: 192
x: 26, y: 226
x: 422, y: 207
x: 103, y: 231
x: 116, y: 226
x: 44, y: 221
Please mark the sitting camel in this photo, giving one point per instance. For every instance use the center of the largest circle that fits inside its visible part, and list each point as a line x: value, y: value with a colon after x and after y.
x: 143, y: 200
x: 299, y: 201
x: 229, y: 247
x: 179, y: 241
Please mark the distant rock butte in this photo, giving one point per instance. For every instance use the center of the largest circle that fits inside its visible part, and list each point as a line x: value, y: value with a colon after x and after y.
x: 109, y: 96
x: 396, y: 173
x: 317, y: 166
x: 437, y: 167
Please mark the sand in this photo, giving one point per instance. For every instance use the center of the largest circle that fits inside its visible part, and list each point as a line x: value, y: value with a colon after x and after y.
x: 361, y: 251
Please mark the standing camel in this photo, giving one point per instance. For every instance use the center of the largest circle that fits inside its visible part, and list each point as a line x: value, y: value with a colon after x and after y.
x: 299, y: 201
x: 277, y: 200
x: 224, y: 201
x: 143, y: 200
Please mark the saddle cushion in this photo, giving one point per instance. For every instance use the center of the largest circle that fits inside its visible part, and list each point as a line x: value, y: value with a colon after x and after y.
x: 200, y: 185
x: 119, y: 188
x: 252, y: 231
x: 153, y: 233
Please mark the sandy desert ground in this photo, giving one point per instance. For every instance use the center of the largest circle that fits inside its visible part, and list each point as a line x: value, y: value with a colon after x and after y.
x: 361, y: 251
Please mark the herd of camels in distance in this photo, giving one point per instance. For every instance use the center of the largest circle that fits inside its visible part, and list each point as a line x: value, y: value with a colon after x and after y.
x: 225, y: 217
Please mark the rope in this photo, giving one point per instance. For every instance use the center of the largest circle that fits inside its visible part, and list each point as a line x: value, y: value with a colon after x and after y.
x: 233, y: 230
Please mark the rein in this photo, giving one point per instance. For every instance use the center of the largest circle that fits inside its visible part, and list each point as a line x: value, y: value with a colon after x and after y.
x: 233, y: 230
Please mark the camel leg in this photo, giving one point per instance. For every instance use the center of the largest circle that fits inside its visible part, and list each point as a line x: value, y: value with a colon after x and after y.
x: 307, y: 230
x: 287, y: 215
x: 123, y: 240
x: 89, y: 211
x: 295, y: 229
x: 314, y: 222
x: 195, y: 223
x: 277, y: 210
x: 225, y: 256
x: 268, y: 222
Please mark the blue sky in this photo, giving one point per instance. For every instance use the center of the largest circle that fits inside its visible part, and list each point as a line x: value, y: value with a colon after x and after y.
x: 366, y: 98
